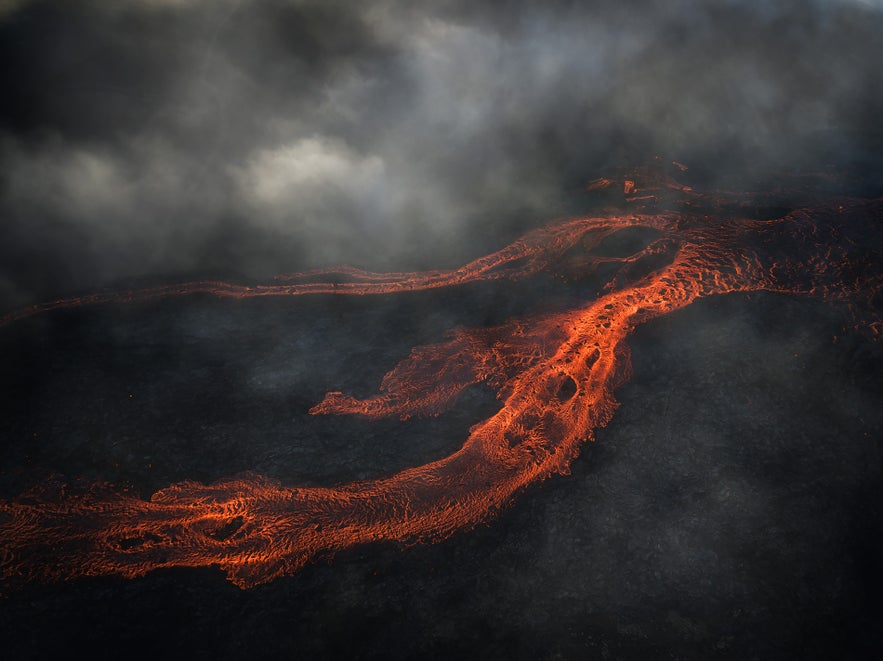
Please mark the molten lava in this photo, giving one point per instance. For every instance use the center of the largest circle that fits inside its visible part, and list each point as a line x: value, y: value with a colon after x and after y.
x: 555, y: 376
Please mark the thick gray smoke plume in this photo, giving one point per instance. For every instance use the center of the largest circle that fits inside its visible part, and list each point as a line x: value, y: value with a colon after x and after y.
x: 161, y: 139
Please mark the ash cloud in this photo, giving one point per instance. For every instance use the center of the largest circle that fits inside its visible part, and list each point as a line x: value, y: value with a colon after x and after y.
x: 158, y: 139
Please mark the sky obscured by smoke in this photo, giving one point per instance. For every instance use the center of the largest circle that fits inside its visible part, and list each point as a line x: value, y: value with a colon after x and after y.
x: 163, y: 139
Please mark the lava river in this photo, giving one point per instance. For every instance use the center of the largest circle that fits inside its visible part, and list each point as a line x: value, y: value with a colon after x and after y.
x: 555, y: 375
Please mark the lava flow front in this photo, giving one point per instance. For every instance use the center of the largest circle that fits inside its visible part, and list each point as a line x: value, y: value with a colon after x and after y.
x: 555, y: 376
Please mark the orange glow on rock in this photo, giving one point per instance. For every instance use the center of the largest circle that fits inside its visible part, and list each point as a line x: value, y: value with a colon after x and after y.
x: 555, y: 376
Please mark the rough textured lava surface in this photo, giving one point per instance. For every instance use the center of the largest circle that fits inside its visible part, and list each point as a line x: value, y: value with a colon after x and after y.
x: 555, y: 375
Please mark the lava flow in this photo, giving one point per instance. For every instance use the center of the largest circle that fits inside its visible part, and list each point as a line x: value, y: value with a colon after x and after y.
x: 555, y: 375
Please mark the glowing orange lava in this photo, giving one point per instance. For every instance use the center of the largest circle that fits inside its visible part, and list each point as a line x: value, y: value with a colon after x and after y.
x: 555, y: 375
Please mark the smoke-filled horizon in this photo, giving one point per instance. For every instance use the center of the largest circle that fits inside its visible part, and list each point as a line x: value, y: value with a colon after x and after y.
x: 153, y: 139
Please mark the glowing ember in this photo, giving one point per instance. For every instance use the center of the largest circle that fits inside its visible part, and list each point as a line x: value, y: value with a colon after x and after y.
x: 555, y: 376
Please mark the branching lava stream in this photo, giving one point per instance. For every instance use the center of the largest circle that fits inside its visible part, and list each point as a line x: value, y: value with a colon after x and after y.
x: 555, y: 375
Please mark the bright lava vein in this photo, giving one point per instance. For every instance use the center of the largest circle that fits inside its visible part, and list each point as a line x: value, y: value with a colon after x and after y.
x: 555, y: 375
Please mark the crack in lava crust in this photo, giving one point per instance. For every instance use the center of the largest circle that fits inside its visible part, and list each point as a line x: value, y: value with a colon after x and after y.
x: 555, y: 375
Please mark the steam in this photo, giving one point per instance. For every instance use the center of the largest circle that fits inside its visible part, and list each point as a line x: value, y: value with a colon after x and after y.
x: 156, y: 138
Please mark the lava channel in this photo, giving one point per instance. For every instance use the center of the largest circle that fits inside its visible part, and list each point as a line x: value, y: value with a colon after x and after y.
x: 555, y: 375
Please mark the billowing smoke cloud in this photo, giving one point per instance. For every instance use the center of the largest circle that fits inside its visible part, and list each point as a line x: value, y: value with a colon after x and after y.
x: 158, y: 139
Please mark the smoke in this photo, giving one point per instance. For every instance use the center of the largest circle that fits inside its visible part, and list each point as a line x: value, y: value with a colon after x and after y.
x: 156, y: 139
x: 148, y: 141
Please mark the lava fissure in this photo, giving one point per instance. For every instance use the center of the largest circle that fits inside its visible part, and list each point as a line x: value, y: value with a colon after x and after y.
x: 555, y: 376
